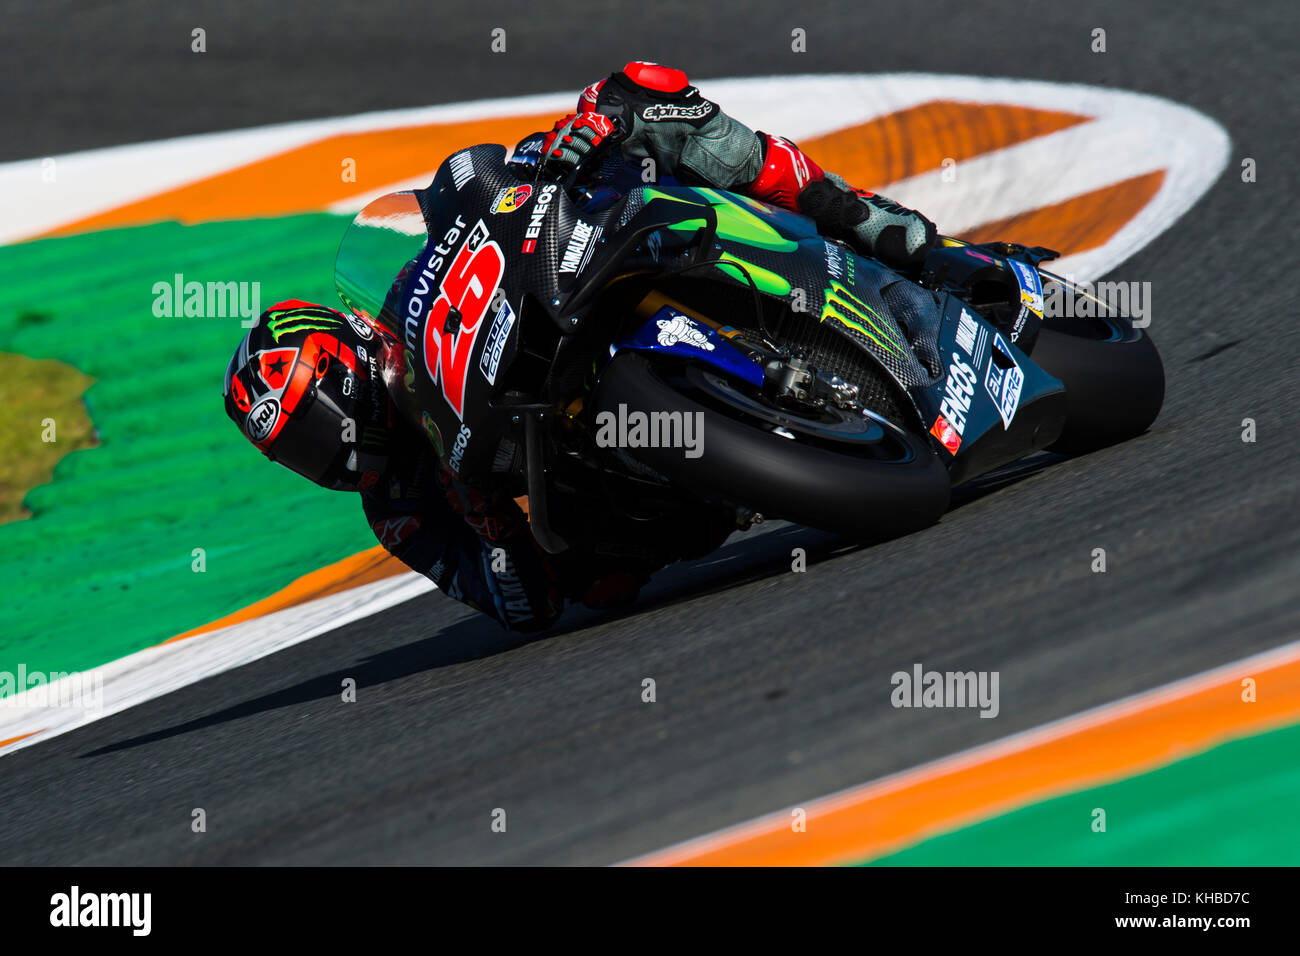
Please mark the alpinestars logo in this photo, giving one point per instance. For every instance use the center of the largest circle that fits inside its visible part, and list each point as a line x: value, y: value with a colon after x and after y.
x: 798, y: 161
x: 670, y: 111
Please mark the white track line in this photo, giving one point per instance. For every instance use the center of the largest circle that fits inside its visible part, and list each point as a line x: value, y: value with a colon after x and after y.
x: 982, y: 753
x: 155, y: 671
x: 1134, y: 133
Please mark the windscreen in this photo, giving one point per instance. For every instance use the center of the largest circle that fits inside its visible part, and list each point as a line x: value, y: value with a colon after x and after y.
x: 383, y: 237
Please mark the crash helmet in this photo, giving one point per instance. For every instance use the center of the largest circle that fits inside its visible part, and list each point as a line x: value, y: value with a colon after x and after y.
x: 304, y: 388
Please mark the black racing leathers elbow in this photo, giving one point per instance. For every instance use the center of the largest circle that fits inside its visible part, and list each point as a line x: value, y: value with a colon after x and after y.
x: 505, y: 578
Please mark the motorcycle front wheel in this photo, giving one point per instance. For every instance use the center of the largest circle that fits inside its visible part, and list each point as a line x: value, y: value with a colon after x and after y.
x: 838, y: 470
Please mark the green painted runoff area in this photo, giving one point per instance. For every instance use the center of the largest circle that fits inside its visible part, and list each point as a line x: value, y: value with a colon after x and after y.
x: 1237, y: 804
x: 104, y: 565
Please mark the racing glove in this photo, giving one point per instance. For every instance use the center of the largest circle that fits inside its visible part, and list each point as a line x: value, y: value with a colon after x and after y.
x: 518, y: 579
x: 876, y: 226
x: 575, y: 137
x: 494, y: 515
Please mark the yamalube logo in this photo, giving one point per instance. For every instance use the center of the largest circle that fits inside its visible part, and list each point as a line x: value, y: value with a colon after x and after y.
x: 681, y: 329
x: 75, y: 908
x: 581, y: 245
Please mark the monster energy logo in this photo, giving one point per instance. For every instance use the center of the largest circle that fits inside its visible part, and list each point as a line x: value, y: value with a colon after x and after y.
x: 847, y: 309
x: 285, y: 321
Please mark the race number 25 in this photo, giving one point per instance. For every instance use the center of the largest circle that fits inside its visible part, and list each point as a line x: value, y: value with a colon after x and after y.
x: 468, y: 287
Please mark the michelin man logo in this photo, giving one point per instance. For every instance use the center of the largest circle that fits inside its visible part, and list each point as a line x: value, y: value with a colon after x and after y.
x: 681, y: 329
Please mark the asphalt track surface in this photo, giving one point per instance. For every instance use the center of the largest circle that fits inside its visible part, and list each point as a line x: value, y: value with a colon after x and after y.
x: 772, y: 686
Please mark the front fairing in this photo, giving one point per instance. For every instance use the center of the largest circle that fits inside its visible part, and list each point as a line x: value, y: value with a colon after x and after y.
x: 992, y: 404
x: 490, y: 246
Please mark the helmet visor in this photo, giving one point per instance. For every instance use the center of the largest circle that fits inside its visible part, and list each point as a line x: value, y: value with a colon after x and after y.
x: 322, y: 439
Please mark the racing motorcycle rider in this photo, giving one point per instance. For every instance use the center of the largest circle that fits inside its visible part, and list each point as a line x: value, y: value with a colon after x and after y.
x: 304, y: 385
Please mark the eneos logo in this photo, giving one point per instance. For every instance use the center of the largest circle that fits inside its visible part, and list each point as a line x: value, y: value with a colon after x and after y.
x: 958, y: 389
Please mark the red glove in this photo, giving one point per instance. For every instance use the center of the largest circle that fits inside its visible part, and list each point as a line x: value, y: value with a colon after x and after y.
x: 493, y: 515
x: 575, y: 137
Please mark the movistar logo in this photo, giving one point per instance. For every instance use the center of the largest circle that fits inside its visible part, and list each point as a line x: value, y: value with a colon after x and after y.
x: 846, y: 308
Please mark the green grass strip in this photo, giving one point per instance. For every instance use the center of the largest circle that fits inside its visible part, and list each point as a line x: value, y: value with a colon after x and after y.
x: 104, y: 566
x: 1235, y: 805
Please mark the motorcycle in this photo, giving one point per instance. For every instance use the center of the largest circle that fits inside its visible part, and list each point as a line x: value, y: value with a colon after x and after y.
x: 683, y: 354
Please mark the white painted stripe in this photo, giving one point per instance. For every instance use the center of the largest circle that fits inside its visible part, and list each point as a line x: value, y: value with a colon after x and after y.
x: 1135, y: 134
x: 155, y: 671
x: 982, y: 753
x: 98, y: 180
